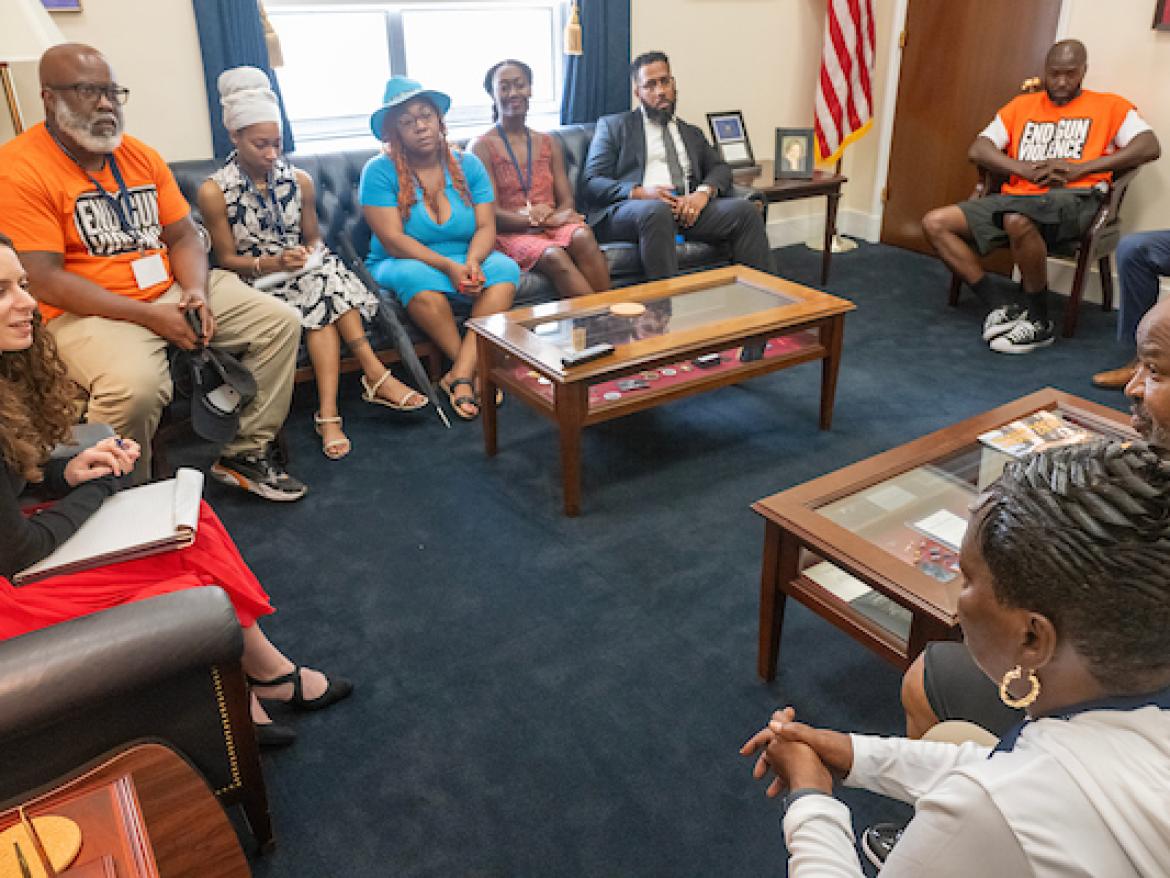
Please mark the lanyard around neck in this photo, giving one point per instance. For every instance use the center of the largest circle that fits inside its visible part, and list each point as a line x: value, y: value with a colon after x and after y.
x: 121, y: 204
x: 271, y: 205
x: 525, y: 182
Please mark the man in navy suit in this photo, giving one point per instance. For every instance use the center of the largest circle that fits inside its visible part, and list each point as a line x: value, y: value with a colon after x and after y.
x: 650, y: 176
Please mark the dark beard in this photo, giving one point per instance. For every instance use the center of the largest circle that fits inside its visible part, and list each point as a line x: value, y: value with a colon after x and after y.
x: 657, y: 116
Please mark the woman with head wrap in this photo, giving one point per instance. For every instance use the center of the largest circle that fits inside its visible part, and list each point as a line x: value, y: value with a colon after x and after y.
x: 1065, y: 604
x: 261, y: 214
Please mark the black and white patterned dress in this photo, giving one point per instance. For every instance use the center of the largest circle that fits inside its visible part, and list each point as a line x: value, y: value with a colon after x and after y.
x: 321, y: 295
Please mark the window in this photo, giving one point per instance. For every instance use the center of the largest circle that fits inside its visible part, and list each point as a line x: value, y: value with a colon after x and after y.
x: 337, y: 58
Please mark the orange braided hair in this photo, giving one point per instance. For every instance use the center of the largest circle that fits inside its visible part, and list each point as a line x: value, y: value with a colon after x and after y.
x: 408, y: 180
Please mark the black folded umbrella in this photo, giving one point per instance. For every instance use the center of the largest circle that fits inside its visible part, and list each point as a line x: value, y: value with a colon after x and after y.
x: 389, y: 319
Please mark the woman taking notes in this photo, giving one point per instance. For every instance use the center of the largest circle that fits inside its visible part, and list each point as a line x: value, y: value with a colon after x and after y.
x: 36, y: 412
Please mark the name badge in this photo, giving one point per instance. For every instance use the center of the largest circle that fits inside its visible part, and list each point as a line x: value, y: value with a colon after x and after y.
x: 149, y: 271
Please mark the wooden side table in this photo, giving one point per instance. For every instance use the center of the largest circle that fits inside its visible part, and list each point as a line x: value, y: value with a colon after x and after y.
x: 189, y: 832
x: 775, y: 191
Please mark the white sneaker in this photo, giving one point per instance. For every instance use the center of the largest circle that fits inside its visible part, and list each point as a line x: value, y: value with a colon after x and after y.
x: 1003, y: 320
x: 1024, y: 338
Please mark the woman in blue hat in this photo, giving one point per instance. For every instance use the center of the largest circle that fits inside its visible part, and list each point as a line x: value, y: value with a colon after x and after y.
x: 432, y: 213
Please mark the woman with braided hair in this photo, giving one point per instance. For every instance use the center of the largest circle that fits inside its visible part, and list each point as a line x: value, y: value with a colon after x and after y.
x: 1066, y: 606
x: 432, y: 213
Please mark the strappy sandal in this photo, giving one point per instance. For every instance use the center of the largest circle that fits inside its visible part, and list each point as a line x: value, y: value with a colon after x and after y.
x: 334, y: 449
x: 457, y: 402
x: 337, y: 690
x: 370, y: 395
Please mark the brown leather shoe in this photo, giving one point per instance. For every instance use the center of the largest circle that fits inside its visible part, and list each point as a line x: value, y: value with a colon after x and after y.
x: 1115, y: 379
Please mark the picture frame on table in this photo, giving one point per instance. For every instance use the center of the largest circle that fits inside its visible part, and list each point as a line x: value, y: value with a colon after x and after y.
x: 62, y: 5
x: 730, y: 136
x: 794, y: 153
x: 1162, y: 15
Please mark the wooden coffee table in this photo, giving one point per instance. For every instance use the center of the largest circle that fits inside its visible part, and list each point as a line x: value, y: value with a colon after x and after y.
x: 872, y: 547
x: 734, y: 313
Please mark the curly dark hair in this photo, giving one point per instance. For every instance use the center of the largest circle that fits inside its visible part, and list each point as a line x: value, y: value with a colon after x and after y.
x: 1082, y: 535
x: 489, y: 80
x: 37, y: 401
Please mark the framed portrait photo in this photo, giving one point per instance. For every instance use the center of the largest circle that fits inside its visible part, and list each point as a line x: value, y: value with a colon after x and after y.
x: 731, y: 138
x: 794, y: 153
x: 62, y: 5
x: 1162, y: 15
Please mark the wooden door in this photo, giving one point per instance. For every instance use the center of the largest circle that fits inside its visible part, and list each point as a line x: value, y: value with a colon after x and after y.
x: 961, y: 62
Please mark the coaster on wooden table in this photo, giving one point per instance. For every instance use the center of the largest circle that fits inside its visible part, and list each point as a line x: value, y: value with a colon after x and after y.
x: 627, y: 309
x: 60, y: 836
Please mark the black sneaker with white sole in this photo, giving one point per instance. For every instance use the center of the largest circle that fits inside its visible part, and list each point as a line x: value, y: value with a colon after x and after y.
x: 1025, y: 337
x: 263, y: 474
x: 1003, y: 320
x: 877, y: 842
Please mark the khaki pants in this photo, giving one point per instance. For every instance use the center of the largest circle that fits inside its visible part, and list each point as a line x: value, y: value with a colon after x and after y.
x: 123, y: 367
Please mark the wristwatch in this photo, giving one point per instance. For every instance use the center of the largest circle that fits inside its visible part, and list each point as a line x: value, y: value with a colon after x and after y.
x: 708, y: 188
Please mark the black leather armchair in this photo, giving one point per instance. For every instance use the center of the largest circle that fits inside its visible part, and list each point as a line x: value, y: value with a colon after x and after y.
x: 162, y: 669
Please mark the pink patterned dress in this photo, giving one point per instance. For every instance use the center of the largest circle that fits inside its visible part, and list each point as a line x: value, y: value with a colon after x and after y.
x: 527, y: 247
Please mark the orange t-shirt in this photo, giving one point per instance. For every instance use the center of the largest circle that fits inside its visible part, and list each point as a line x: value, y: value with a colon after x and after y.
x: 1084, y: 129
x: 47, y: 203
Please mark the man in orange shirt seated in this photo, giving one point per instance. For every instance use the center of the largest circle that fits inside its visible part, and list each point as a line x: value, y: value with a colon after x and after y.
x: 1055, y: 146
x: 118, y: 265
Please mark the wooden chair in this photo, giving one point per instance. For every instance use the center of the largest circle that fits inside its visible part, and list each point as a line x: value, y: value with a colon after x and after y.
x: 1095, y: 246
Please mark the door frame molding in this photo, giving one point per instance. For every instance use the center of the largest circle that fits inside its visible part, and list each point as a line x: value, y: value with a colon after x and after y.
x: 886, y: 123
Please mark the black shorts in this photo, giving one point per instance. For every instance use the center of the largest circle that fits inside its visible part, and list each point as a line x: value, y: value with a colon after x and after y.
x: 957, y: 689
x: 1061, y: 215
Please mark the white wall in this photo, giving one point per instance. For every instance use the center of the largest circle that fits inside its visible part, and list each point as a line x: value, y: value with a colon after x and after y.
x: 154, y: 49
x: 758, y: 56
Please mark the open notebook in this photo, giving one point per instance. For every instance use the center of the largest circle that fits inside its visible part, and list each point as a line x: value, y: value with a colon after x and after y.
x: 134, y: 523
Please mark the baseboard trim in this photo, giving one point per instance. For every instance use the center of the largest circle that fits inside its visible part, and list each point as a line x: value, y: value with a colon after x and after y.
x: 783, y: 231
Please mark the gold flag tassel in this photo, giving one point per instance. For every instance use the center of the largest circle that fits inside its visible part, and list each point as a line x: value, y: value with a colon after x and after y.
x: 573, y: 33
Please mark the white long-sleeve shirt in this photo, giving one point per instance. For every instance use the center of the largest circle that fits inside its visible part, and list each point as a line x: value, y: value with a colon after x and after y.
x: 1086, y: 796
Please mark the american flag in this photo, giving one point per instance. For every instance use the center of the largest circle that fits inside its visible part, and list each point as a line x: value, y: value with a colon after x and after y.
x: 845, y: 87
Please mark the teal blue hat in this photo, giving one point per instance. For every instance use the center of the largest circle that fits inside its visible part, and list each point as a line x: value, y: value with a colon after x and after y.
x: 399, y: 90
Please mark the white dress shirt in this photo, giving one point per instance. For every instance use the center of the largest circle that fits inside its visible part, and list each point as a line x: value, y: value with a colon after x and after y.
x: 657, y: 171
x: 1086, y: 796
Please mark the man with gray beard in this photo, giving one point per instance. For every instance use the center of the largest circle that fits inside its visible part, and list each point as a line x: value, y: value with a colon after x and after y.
x: 120, y: 270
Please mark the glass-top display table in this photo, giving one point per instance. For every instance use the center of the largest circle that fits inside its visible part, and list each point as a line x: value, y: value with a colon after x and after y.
x: 873, y: 548
x: 670, y: 339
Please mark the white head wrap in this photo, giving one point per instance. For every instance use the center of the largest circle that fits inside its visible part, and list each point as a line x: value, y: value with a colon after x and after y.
x: 247, y: 98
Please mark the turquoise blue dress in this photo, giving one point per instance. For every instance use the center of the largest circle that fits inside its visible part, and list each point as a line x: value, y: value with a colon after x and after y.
x: 407, y: 277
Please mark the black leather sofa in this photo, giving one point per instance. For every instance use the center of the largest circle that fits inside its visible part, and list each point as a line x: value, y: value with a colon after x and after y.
x: 336, y: 176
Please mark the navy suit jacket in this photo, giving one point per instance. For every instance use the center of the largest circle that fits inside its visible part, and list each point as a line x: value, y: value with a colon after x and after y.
x: 617, y: 162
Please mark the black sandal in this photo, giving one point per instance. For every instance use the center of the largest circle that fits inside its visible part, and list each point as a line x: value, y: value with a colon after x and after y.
x: 337, y: 689
x: 457, y: 402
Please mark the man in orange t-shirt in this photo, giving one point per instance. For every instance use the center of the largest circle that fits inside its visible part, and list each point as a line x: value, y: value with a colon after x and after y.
x: 1054, y: 146
x: 119, y: 267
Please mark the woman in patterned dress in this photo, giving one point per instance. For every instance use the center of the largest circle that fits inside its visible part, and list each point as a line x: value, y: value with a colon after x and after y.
x: 537, y: 222
x: 262, y: 217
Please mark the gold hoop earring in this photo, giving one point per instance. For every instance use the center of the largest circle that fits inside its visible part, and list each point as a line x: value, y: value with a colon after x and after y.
x: 1010, y: 677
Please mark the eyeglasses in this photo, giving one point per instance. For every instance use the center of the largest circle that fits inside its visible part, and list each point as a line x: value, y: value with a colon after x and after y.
x: 89, y: 92
x: 406, y: 122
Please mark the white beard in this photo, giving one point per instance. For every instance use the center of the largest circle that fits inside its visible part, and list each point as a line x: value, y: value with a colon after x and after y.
x: 77, y: 126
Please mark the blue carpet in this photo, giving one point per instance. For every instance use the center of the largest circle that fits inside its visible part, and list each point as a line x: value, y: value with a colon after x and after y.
x: 542, y: 696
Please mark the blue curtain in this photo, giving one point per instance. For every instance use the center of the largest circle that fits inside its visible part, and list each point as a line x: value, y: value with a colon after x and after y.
x: 598, y: 82
x: 231, y: 35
